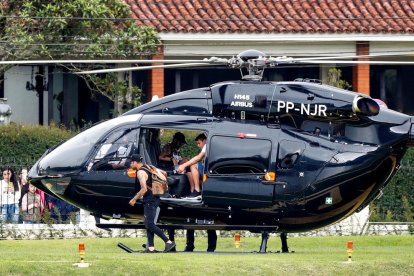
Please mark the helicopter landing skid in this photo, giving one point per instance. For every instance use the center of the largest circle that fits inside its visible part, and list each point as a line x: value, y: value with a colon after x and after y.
x: 126, y: 248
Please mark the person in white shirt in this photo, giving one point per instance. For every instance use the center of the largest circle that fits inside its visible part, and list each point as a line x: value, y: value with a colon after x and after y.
x: 196, y: 165
x: 196, y: 170
x: 9, y: 197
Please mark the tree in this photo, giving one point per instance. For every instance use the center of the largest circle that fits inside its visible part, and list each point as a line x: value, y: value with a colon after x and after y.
x: 76, y: 29
x: 334, y: 79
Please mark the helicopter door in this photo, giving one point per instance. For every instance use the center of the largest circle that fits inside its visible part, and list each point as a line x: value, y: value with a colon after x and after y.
x: 236, y: 167
x: 106, y: 177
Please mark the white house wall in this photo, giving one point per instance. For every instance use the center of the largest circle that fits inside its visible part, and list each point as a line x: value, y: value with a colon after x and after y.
x: 181, y: 45
x: 392, y: 47
x: 281, y: 48
x: 24, y: 103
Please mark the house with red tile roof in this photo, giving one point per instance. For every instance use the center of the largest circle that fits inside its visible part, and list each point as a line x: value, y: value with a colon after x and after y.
x: 297, y: 28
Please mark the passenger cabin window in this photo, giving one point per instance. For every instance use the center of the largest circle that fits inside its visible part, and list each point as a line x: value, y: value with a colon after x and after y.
x: 233, y: 155
x: 116, y: 150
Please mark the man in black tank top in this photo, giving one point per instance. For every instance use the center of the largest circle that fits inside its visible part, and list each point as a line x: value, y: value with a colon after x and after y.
x: 151, y: 203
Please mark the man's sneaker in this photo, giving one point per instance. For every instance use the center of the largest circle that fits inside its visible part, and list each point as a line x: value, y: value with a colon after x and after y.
x: 189, y: 249
x: 169, y: 246
x: 166, y: 195
x: 150, y: 251
x: 195, y: 194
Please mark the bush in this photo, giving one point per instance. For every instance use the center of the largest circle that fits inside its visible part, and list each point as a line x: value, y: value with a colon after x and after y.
x: 26, y: 143
x: 398, y: 198
x: 187, y: 151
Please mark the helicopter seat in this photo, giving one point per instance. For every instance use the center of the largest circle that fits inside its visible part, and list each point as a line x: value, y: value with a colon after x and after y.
x: 178, y: 185
x: 148, y: 149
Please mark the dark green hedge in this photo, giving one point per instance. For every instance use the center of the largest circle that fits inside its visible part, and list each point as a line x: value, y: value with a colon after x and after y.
x: 391, y: 206
x: 24, y: 143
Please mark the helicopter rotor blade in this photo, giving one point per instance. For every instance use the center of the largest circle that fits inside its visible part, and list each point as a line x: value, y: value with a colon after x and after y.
x: 113, y: 70
x: 96, y: 61
x: 387, y: 54
x: 374, y: 62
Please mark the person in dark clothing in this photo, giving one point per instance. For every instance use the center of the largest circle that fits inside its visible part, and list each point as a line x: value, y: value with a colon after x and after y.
x: 151, y: 204
x: 170, y: 156
x: 211, y: 240
x: 60, y: 211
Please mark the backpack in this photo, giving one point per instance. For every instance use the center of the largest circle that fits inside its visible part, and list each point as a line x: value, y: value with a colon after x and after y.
x: 159, y: 180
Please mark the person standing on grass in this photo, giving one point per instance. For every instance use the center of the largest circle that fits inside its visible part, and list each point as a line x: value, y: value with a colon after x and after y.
x: 151, y: 203
x: 31, y: 206
x: 10, y: 196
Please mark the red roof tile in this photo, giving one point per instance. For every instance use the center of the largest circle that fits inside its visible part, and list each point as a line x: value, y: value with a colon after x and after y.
x: 275, y: 16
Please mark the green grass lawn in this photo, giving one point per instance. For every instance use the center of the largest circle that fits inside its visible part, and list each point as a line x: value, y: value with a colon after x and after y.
x: 373, y: 255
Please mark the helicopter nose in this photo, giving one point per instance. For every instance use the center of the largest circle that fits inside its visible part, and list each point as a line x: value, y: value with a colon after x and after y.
x: 55, y: 185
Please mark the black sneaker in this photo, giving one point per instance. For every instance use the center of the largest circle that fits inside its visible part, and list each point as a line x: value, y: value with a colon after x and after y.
x: 166, y: 195
x: 150, y: 251
x: 195, y: 194
x: 189, y: 249
x: 169, y: 246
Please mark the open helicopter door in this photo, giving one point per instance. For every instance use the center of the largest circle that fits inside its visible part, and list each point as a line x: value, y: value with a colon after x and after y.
x: 236, y: 168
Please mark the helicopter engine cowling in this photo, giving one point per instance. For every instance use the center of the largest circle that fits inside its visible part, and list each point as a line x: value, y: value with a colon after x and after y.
x: 365, y: 106
x: 270, y: 101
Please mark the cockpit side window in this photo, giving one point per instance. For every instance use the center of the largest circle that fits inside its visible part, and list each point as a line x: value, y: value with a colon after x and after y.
x: 115, y: 151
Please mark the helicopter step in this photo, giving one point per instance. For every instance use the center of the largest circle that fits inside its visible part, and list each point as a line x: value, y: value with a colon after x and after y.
x: 187, y: 201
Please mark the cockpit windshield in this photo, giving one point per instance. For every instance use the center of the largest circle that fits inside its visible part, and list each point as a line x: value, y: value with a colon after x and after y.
x: 71, y: 155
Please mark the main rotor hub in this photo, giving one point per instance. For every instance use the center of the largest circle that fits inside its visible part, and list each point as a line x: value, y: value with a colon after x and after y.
x: 254, y: 61
x: 250, y: 54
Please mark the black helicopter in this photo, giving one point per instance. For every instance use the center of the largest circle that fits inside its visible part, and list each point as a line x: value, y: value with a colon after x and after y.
x: 281, y: 156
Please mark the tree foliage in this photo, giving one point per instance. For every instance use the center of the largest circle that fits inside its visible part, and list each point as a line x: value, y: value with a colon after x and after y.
x: 74, y: 29
x: 334, y: 79
x: 397, y: 202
